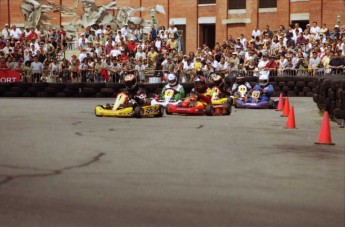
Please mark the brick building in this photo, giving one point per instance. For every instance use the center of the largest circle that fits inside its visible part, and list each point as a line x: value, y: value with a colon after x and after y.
x: 210, y: 21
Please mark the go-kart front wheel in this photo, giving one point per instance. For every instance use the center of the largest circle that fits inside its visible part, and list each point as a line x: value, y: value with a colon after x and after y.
x: 160, y: 112
x: 209, y: 110
x: 227, y: 109
x: 138, y: 112
x: 271, y: 104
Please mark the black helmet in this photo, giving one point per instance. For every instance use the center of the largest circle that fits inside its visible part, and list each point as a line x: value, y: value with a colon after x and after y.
x: 200, y: 84
x: 217, y: 80
x: 130, y: 81
x: 240, y: 79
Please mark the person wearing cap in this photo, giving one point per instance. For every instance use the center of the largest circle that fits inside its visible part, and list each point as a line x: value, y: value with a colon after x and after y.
x: 172, y: 43
x: 6, y: 32
x: 82, y: 41
x: 125, y: 30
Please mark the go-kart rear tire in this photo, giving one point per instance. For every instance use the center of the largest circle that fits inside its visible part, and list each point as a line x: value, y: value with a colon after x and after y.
x: 209, y: 110
x: 270, y: 104
x: 160, y: 112
x: 138, y: 112
x: 227, y: 109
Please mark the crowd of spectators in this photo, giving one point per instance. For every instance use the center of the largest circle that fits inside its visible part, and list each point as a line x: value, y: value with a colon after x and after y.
x: 105, y: 55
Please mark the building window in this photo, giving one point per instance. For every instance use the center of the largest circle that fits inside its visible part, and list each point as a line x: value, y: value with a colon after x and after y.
x: 267, y: 3
x: 237, y: 4
x: 207, y: 2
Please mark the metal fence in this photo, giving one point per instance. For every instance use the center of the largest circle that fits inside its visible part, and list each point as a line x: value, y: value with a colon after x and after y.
x: 159, y: 76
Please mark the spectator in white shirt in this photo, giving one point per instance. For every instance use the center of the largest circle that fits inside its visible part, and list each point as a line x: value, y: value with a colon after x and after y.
x: 15, y: 32
x: 115, y: 51
x: 125, y: 30
x: 140, y: 54
x: 6, y: 32
x: 314, y: 30
x: 256, y: 32
x: 100, y: 30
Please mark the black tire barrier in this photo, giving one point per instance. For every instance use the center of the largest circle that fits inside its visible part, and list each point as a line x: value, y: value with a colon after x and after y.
x: 89, y: 92
x: 11, y: 94
x: 17, y: 89
x: 61, y: 95
x: 329, y: 95
x: 42, y: 94
x: 106, y: 92
x: 32, y: 91
x: 288, y: 85
x: 51, y: 91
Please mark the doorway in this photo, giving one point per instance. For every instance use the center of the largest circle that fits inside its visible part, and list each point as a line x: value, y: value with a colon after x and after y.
x: 302, y: 23
x: 207, y: 35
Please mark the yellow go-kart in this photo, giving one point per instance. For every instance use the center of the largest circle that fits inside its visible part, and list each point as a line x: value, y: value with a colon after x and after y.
x: 220, y: 106
x: 121, y: 108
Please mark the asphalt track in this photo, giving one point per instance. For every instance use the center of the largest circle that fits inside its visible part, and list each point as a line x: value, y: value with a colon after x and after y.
x: 62, y: 166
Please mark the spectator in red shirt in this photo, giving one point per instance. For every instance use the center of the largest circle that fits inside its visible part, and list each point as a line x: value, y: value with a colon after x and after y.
x: 62, y: 36
x: 131, y: 47
x: 272, y: 65
x: 32, y: 35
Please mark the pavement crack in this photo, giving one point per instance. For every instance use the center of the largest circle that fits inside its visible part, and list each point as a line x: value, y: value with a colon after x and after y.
x: 8, y: 178
x: 200, y: 126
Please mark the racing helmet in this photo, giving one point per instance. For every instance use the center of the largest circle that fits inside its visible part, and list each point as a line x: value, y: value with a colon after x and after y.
x: 217, y: 80
x: 200, y: 84
x: 172, y: 80
x: 263, y: 80
x: 130, y: 81
x: 240, y: 79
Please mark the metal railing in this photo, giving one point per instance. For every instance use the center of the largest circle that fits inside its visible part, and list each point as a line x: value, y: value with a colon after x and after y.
x: 159, y: 76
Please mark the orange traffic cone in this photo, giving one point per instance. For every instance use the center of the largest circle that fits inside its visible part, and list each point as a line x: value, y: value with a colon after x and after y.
x: 291, y: 119
x: 280, y: 103
x: 286, y: 108
x: 325, y: 131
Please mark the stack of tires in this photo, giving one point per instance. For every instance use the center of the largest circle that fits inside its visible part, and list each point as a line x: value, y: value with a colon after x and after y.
x: 330, y: 95
x: 294, y: 86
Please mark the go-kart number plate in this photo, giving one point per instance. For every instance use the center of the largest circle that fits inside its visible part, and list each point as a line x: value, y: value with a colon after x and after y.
x: 242, y: 90
x: 256, y: 94
x: 121, y: 98
x: 168, y: 93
